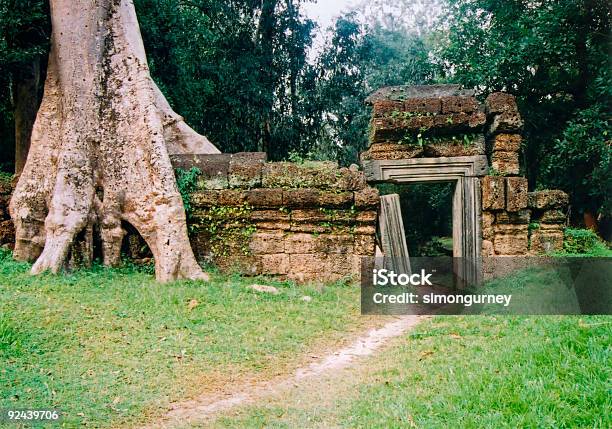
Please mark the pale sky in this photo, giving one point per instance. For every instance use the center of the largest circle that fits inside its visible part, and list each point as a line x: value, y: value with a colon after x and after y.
x: 324, y: 11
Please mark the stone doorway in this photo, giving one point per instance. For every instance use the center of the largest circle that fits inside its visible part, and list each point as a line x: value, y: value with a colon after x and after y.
x: 464, y: 172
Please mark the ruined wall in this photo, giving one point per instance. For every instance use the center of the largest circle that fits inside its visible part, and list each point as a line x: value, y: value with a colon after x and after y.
x: 425, y: 121
x: 514, y: 221
x: 311, y: 221
x: 445, y: 121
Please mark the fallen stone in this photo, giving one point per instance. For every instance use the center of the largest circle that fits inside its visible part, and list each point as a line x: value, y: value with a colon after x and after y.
x: 307, y: 298
x: 264, y: 289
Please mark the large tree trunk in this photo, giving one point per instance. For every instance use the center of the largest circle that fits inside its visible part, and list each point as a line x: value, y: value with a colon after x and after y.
x: 100, y: 147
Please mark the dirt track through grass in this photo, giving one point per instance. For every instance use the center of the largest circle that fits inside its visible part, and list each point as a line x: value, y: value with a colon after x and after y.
x: 207, y: 406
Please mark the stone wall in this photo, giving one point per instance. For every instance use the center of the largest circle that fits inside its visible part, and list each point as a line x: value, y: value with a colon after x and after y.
x: 514, y: 221
x: 311, y: 221
x: 444, y: 121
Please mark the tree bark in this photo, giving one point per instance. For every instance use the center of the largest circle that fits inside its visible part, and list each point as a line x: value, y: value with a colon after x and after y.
x: 25, y: 108
x: 101, y: 145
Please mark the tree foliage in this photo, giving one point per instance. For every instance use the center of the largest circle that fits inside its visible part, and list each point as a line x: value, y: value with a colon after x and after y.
x: 554, y: 56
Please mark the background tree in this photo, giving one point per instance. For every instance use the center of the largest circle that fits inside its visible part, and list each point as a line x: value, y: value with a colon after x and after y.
x: 24, y: 37
x: 554, y: 56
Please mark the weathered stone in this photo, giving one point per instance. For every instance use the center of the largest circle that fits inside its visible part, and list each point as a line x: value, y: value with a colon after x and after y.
x: 270, y: 216
x: 505, y: 162
x: 507, y: 142
x: 307, y: 175
x: 208, y: 163
x: 549, y: 199
x: 334, y: 243
x: 520, y: 217
x: 459, y: 122
x: 386, y: 108
x: 265, y: 197
x: 365, y: 230
x: 310, y: 216
x: 487, y: 248
x: 553, y: 216
x: 367, y: 198
x: 301, y: 197
x: 493, y: 193
x: 264, y: 243
x: 454, y: 104
x: 508, y: 122
x: 366, y: 217
x: 205, y: 198
x: 382, y: 151
x: 300, y: 243
x: 488, y: 219
x: 407, y: 92
x: 349, y: 179
x: 243, y: 264
x: 225, y: 197
x: 452, y: 148
x: 511, y: 239
x: 310, y: 228
x: 273, y: 225
x: 344, y: 217
x: 335, y: 199
x: 277, y: 264
x: 516, y: 193
x: 500, y: 102
x: 245, y: 173
x: 546, y: 241
x: 365, y: 245
x: 423, y: 105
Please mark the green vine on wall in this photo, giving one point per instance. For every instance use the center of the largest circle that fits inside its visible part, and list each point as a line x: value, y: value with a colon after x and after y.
x: 228, y: 228
x: 187, y: 182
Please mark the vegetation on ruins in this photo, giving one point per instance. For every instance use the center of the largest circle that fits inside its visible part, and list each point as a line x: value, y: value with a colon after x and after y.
x: 244, y: 74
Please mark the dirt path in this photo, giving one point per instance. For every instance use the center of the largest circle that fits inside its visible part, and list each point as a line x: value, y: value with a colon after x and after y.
x: 209, y: 405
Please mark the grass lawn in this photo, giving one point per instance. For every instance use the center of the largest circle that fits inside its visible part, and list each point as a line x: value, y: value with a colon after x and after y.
x: 467, y: 372
x: 114, y: 348
x: 463, y: 372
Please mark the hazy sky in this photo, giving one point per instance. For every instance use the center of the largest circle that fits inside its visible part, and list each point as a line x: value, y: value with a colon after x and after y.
x: 324, y: 11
